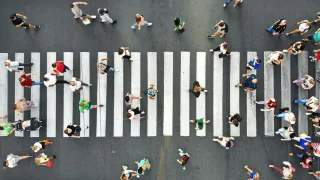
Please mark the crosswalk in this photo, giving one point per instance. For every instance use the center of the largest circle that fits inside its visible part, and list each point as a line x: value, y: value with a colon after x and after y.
x: 159, y: 120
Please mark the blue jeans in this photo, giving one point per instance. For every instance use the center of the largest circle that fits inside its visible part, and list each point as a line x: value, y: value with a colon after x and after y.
x: 271, y: 30
x: 303, y: 101
x: 227, y: 2
x: 135, y: 25
x: 37, y: 83
x: 299, y: 155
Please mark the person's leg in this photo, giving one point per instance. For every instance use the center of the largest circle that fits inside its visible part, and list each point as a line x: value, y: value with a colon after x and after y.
x: 134, y: 26
x: 193, y: 121
x: 260, y: 102
x: 24, y: 157
x: 299, y: 81
x: 302, y: 101
x: 270, y: 29
x: 215, y: 34
x: 62, y: 81
x: 85, y: 84
x: 135, y: 97
x: 227, y: 2
x: 25, y: 64
x: 217, y: 48
x: 277, y: 169
x: 293, y: 32
x: 298, y: 155
x: 146, y: 23
x: 37, y: 83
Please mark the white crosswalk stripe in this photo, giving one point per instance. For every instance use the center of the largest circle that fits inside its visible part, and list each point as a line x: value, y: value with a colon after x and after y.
x: 249, y: 124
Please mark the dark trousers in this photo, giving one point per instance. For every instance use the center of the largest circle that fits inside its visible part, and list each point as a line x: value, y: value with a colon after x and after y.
x: 84, y: 84
x: 62, y: 81
x: 65, y: 68
x: 24, y: 64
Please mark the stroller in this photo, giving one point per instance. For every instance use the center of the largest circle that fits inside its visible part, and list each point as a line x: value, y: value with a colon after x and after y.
x: 29, y: 125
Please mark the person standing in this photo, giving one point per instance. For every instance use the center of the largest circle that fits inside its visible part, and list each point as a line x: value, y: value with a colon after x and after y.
x: 223, y: 48
x: 307, y: 82
x: 39, y: 146
x: 278, y: 27
x: 129, y: 98
x: 50, y: 80
x: 254, y: 64
x: 105, y: 18
x: 287, y: 116
x: 295, y: 48
x: 27, y: 82
x: 275, y: 58
x: 151, y: 92
x: 78, y: 12
x: 104, y: 68
x: 250, y: 84
x: 22, y: 105
x: 179, y: 25
x: 200, y: 123
x: 286, y: 172
x: 132, y: 112
x: 71, y: 130
x: 235, y: 3
x: 86, y: 105
x: 125, y: 53
x: 13, y: 66
x: 19, y: 22
x: 76, y: 84
x: 196, y: 89
x: 306, y: 159
x: 271, y: 104
x: 140, y: 22
x: 287, y: 133
x: 60, y: 67
x: 234, y: 119
x: 184, y: 158
x: 12, y: 160
x: 222, y: 29
x: 225, y: 141
x: 252, y: 174
x: 304, y: 27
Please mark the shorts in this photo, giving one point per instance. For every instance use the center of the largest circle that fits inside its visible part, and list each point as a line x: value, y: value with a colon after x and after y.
x: 25, y: 25
x: 224, y: 142
x: 16, y: 159
x: 182, y: 153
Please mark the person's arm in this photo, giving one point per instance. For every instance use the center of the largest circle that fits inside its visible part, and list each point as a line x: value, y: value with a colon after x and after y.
x: 104, y: 59
x: 285, y: 139
x: 245, y: 75
x: 249, y: 90
x: 102, y: 73
x: 51, y: 85
x: 30, y: 74
x: 316, y: 126
x: 317, y: 50
x: 181, y: 26
x: 11, y: 131
x: 73, y: 136
x: 24, y: 17
x: 188, y: 154
x: 27, y: 86
x: 2, y: 117
x: 298, y: 147
x: 248, y: 169
x: 84, y: 3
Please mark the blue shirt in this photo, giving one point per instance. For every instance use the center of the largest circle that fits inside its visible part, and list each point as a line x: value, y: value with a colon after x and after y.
x: 251, y: 175
x: 254, y: 64
x: 249, y: 83
x: 303, y: 141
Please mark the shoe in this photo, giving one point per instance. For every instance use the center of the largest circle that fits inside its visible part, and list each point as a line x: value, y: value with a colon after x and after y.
x: 75, y: 17
x: 54, y: 156
x: 237, y: 85
x: 149, y: 24
x: 286, y: 163
x: 116, y: 70
x: 205, y: 90
x: 277, y: 132
x: 125, y: 167
x: 142, y: 112
x: 101, y: 105
x: 294, y: 81
x: 211, y: 50
x: 89, y: 84
x: 114, y: 22
x: 191, y: 121
x: 132, y: 27
x: 180, y: 150
x: 285, y: 50
x: 207, y: 121
x: 210, y: 37
x: 292, y: 100
x: 215, y: 139
x: 308, y: 114
x: 288, y: 34
x: 102, y: 22
x: 140, y: 97
x: 224, y: 5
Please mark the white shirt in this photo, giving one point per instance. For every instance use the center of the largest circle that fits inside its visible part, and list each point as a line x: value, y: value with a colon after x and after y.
x: 77, y: 85
x: 224, y: 51
x: 304, y: 26
x: 11, y: 161
x: 288, y: 116
x: 132, y: 114
x: 38, y: 146
x: 14, y: 65
x: 52, y: 79
x: 275, y: 56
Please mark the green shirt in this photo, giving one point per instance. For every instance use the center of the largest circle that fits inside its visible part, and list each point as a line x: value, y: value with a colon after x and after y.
x: 85, y: 107
x: 180, y: 24
x: 7, y: 128
x: 316, y: 37
x: 200, y: 121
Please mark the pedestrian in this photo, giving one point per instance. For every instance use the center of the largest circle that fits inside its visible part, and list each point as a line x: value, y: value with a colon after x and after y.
x: 306, y: 159
x: 105, y: 18
x: 20, y: 22
x: 43, y: 160
x: 129, y: 98
x: 306, y: 82
x: 234, y: 119
x: 104, y: 68
x: 143, y: 165
x: 13, y: 66
x: 22, y: 105
x: 278, y: 27
x: 271, y: 104
x: 287, y: 116
x: 151, y: 92
x: 316, y: 149
x: 287, y: 133
x: 275, y: 58
x: 125, y: 53
x: 223, y: 48
x: 140, y: 22
x: 39, y: 146
x: 76, y: 84
x: 311, y: 104
x: 250, y: 84
x: 252, y: 174
x: 126, y: 173
x: 200, y: 123
x: 8, y: 128
x: 196, y: 89
x: 132, y: 112
x: 304, y: 142
x: 27, y: 82
x: 304, y: 27
x: 222, y: 29
x: 73, y: 129
x: 235, y: 3
x: 184, y: 158
x: 84, y: 104
x: 78, y: 14
x: 316, y: 57
x: 226, y: 142
x: 286, y: 172
x: 295, y: 48
x: 314, y: 38
x: 255, y: 63
x: 12, y: 160
x: 179, y: 25
x: 60, y: 67
x: 50, y: 80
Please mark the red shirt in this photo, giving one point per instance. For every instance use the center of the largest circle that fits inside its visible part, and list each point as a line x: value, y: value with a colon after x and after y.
x: 272, y: 104
x: 27, y: 81
x: 60, y: 67
x: 318, y: 56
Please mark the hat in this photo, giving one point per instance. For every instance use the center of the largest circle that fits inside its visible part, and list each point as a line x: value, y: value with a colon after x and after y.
x: 102, y: 11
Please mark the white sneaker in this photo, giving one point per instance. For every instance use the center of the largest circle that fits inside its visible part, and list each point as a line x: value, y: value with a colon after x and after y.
x: 93, y: 16
x: 180, y: 150
x: 308, y: 114
x: 132, y: 27
x: 224, y: 5
x: 215, y: 139
x: 149, y: 24
x: 285, y: 50
x: 116, y: 70
x: 138, y: 176
x: 142, y: 112
x: 277, y: 132
x: 286, y: 163
x: 191, y: 121
x: 241, y: 1
x: 207, y: 121
x: 211, y: 50
x: 232, y: 138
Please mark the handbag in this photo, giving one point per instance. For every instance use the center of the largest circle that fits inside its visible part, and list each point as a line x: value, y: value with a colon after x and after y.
x: 86, y: 21
x: 49, y: 164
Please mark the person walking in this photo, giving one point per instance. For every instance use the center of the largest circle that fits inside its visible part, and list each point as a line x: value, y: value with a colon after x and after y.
x: 129, y: 98
x: 12, y: 160
x: 105, y: 18
x: 125, y: 53
x: 226, y: 142
x: 235, y: 3
x: 250, y: 84
x: 304, y: 142
x: 27, y: 82
x: 50, y: 80
x: 304, y: 27
x: 287, y: 133
x: 287, y: 116
x: 13, y: 66
x: 306, y: 82
x: 196, y: 89
x: 223, y: 48
x: 275, y: 58
x: 76, y: 84
x: 71, y: 130
x: 143, y: 165
x: 8, y: 128
x: 104, y: 68
x: 200, y: 123
x: 316, y: 57
x: 140, y: 22
x: 295, y: 48
x: 254, y: 64
x: 306, y: 159
x: 151, y: 92
x: 78, y: 14
x: 132, y: 112
x: 84, y: 104
x: 60, y: 67
x: 286, y: 172
x: 312, y: 104
x: 271, y: 104
x: 234, y: 119
x: 184, y: 158
x: 126, y: 173
x: 278, y: 27
x: 20, y: 22
x: 43, y: 160
x: 252, y: 174
x: 22, y: 105
x: 179, y: 25
x: 39, y: 146
x: 221, y: 31
x: 314, y: 38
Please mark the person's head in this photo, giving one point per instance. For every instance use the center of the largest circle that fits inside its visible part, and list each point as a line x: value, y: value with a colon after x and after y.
x: 177, y: 21
x: 124, y: 177
x: 53, y: 65
x: 120, y: 51
x: 221, y: 24
x: 283, y: 22
x: 1, y: 128
x: 14, y: 107
x: 310, y: 162
x: 280, y: 56
x: 302, y: 46
x: 99, y: 65
x: 72, y: 83
x: 138, y: 18
x: 127, y: 98
x: 5, y: 164
x: 272, y: 99
x: 72, y: 6
x: 46, y: 79
x: 308, y: 144
x: 82, y: 104
x: 258, y: 61
x: 6, y: 64
x: 67, y: 131
x: 235, y: 122
x: 255, y: 81
x: 225, y: 46
x: 151, y: 90
x: 13, y: 17
x: 229, y: 144
x: 200, y: 123
x: 308, y: 23
x: 312, y: 81
x: 37, y: 160
x: 292, y: 135
x: 103, y: 11
x: 140, y: 170
x: 128, y: 115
